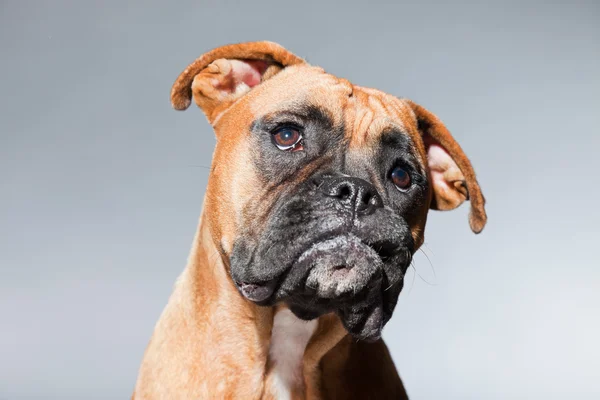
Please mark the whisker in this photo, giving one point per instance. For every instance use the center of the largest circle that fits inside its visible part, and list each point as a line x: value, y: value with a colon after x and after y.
x: 423, y: 279
x: 430, y: 263
x: 412, y: 264
x: 388, y: 288
x: 197, y: 166
x: 428, y: 249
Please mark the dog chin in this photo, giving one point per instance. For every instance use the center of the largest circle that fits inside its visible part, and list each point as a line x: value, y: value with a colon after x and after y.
x: 358, y: 281
x: 346, y: 276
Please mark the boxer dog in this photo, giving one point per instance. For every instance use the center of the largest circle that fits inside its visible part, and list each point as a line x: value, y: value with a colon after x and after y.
x: 317, y: 200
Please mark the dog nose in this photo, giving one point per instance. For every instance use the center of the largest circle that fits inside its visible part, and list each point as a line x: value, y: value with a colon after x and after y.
x: 354, y: 193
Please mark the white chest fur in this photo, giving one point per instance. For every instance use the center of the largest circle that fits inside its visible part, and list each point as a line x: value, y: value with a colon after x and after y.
x: 288, y: 341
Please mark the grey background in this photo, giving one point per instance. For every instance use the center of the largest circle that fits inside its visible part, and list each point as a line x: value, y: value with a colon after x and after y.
x: 101, y: 183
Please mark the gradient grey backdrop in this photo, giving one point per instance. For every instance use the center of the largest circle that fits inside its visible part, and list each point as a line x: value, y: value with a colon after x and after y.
x: 101, y: 184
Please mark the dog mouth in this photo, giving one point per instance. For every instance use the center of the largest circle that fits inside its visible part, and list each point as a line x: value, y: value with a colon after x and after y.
x: 359, y: 280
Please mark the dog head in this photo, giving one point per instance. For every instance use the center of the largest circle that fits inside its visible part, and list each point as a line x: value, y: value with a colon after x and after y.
x: 319, y: 189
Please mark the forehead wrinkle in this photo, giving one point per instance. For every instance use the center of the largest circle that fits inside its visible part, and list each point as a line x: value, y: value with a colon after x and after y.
x: 365, y: 118
x: 359, y: 118
x: 405, y: 120
x: 373, y: 111
x: 380, y: 115
x: 396, y: 108
x: 387, y: 108
x: 376, y: 112
x: 376, y: 104
x: 407, y: 115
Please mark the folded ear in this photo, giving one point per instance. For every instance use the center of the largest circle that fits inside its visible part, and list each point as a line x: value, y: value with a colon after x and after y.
x: 224, y: 74
x: 453, y: 178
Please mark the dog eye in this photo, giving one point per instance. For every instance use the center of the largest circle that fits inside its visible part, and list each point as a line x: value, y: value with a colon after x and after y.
x: 400, y: 178
x: 287, y: 138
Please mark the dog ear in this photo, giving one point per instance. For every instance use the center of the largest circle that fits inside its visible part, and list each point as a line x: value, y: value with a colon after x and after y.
x: 224, y: 74
x: 452, y: 176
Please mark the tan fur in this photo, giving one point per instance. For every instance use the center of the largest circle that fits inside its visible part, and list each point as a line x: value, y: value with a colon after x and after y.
x: 211, y: 343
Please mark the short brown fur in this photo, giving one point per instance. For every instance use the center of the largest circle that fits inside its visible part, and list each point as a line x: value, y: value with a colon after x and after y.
x: 210, y: 342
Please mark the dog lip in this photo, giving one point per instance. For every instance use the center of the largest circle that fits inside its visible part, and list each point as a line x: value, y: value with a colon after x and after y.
x: 370, y: 337
x: 373, y: 338
x: 256, y: 292
x: 385, y: 248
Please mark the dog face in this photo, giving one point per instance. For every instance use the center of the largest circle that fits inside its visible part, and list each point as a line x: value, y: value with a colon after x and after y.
x: 320, y: 189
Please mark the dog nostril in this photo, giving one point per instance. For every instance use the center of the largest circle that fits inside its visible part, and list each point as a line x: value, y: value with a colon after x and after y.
x: 367, y: 200
x: 344, y: 192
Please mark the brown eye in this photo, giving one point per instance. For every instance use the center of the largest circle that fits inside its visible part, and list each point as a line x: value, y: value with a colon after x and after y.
x: 401, y: 178
x: 287, y: 138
